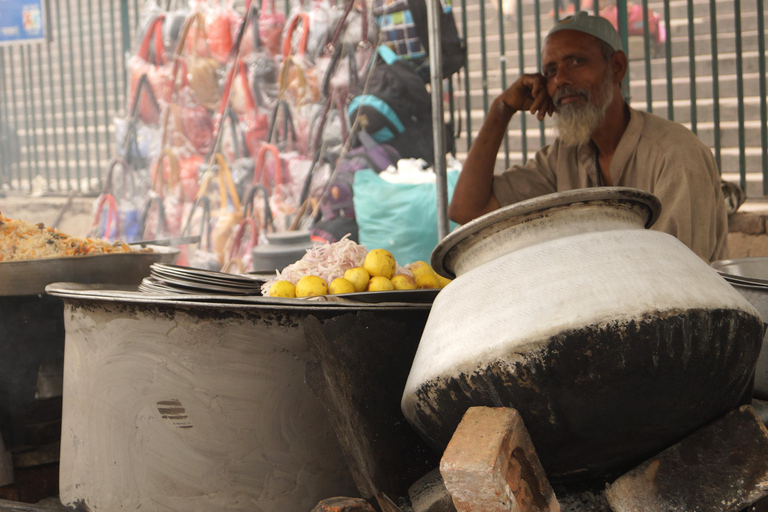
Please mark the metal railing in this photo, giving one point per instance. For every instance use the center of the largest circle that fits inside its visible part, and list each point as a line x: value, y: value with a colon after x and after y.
x: 58, y: 100
x: 708, y: 73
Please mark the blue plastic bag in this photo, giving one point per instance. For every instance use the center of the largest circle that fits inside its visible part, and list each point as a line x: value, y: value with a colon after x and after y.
x: 398, y: 217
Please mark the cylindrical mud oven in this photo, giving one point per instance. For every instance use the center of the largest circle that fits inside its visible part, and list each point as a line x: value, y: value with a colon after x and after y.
x: 612, y: 341
x: 176, y: 405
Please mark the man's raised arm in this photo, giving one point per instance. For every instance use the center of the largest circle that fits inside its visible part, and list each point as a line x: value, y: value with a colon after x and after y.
x: 473, y: 195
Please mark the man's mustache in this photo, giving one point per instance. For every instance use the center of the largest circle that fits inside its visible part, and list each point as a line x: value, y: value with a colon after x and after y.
x: 561, y: 93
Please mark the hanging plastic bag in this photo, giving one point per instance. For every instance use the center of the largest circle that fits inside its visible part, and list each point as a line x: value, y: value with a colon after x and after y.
x: 201, y: 68
x: 272, y: 176
x: 138, y: 142
x: 398, y: 217
x: 167, y: 188
x: 344, y: 60
x: 253, y: 122
x: 201, y: 254
x: 229, y: 213
x: 297, y: 75
x: 271, y: 24
x: 157, y: 71
x: 219, y: 23
x: 124, y: 199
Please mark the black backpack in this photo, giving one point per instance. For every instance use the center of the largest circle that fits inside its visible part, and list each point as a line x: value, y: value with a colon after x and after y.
x: 454, y: 49
x: 397, y: 108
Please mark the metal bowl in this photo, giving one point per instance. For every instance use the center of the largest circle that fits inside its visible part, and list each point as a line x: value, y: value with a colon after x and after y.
x: 30, y: 277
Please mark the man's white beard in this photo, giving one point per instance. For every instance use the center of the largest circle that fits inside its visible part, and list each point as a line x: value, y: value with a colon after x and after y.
x: 577, y: 121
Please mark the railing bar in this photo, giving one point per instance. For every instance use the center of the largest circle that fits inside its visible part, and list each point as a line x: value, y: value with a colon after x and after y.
x: 692, y: 64
x: 483, y: 56
x: 740, y: 94
x: 452, y: 112
x: 647, y: 59
x: 668, y: 59
x: 537, y: 20
x: 521, y: 68
x: 621, y: 20
x: 54, y: 102
x: 73, y: 82
x: 105, y: 95
x: 27, y: 50
x: 115, y: 58
x: 467, y: 96
x: 26, y: 113
x: 85, y: 105
x: 5, y: 136
x: 503, y: 70
x: 763, y: 92
x: 44, y: 118
x: 126, y: 30
x: 95, y: 95
x: 63, y: 95
x: 136, y: 17
x: 715, y: 83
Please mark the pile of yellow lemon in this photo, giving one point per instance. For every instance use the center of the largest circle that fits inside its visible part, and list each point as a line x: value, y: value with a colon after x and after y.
x: 376, y: 275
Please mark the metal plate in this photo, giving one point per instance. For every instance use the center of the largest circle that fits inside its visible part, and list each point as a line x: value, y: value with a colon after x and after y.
x: 422, y: 296
x: 130, y: 294
x: 744, y: 269
x: 30, y: 277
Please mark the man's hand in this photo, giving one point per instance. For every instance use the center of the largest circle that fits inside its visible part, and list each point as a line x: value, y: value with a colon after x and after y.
x: 473, y: 195
x: 529, y: 92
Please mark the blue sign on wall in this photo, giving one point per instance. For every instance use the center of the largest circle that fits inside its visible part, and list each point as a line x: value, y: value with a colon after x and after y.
x: 22, y: 21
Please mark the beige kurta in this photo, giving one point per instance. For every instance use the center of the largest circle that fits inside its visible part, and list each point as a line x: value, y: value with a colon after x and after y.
x: 654, y: 154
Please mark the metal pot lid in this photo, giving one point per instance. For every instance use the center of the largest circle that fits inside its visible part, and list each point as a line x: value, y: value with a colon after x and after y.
x: 523, y: 209
x: 290, y: 238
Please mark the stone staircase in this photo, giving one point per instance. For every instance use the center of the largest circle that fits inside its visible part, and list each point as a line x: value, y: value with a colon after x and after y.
x: 73, y: 94
x: 640, y: 83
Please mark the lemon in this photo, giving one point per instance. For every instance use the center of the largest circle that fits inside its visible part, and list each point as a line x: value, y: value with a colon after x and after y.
x: 283, y: 289
x: 340, y: 285
x: 311, y: 286
x: 442, y: 280
x: 359, y: 277
x: 403, y: 282
x: 427, y: 280
x: 418, y: 268
x: 380, y: 284
x: 380, y: 262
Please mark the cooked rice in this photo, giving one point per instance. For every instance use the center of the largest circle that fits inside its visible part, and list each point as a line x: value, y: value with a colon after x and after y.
x: 22, y: 240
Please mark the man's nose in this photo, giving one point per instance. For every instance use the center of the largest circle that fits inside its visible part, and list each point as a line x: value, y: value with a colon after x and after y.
x: 561, y: 78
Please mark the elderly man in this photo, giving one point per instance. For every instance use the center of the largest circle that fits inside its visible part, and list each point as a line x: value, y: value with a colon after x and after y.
x: 601, y: 141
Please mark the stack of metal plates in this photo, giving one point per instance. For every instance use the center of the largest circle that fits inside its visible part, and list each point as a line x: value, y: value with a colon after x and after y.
x: 747, y: 272
x: 164, y: 278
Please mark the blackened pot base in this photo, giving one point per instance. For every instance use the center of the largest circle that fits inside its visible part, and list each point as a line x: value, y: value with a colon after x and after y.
x: 603, y: 398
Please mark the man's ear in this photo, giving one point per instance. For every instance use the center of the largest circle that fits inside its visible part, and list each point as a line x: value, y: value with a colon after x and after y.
x: 618, y: 66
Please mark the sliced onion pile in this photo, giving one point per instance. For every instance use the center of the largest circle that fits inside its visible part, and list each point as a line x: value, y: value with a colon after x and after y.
x: 327, y: 261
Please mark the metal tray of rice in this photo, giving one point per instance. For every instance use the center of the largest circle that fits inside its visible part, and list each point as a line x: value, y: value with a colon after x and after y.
x: 33, y: 256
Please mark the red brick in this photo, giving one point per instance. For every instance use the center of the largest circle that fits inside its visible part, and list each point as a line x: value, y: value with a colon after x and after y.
x: 491, y: 465
x: 720, y: 467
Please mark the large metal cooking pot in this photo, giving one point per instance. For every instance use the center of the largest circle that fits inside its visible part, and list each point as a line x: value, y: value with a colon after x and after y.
x: 179, y: 403
x: 613, y: 341
x: 30, y: 277
x: 32, y: 329
x: 749, y: 276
